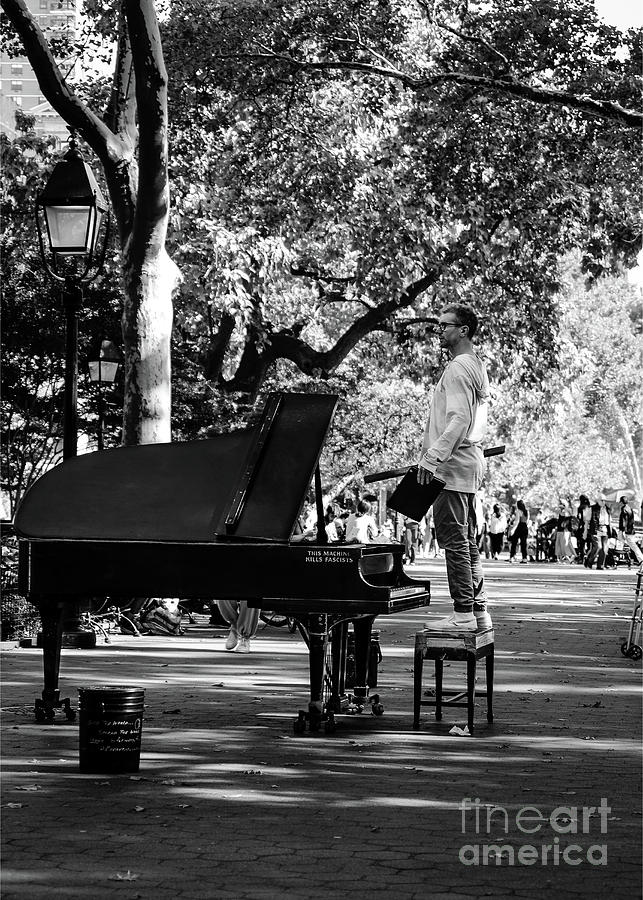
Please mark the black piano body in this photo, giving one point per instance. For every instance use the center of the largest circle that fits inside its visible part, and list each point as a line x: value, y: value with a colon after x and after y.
x: 211, y: 518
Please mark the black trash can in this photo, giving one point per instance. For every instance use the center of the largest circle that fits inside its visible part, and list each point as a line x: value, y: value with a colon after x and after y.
x: 110, y: 722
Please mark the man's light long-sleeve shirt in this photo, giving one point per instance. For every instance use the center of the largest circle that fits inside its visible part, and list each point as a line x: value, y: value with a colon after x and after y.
x: 457, y: 423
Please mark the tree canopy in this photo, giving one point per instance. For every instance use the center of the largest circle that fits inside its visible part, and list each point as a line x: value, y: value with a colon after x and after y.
x: 334, y: 178
x: 336, y: 172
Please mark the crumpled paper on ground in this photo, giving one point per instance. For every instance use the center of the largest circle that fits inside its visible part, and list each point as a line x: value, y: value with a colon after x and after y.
x: 460, y: 732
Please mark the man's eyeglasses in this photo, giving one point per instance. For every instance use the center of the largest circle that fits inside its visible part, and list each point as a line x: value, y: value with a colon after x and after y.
x: 442, y: 326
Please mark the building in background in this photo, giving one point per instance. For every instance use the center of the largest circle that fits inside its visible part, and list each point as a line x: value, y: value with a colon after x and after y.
x: 19, y: 86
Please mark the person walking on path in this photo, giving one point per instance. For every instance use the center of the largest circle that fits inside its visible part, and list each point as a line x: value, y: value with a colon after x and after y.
x: 520, y: 532
x: 626, y: 528
x: 497, y: 527
x: 563, y: 548
x: 583, y: 514
x: 599, y: 533
x: 451, y: 451
x: 243, y: 622
x: 361, y: 527
x: 410, y: 539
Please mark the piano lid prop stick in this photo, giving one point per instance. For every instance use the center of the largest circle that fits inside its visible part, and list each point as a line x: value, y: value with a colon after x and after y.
x: 252, y: 461
x: 397, y: 473
x: 322, y: 536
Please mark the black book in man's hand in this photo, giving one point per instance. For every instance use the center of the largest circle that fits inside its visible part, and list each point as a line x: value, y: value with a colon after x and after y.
x: 413, y: 499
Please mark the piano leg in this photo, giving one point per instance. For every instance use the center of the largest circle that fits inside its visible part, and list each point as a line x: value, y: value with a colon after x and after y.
x: 52, y: 615
x: 318, y: 637
x: 319, y: 712
x: 363, y: 628
x: 339, y: 640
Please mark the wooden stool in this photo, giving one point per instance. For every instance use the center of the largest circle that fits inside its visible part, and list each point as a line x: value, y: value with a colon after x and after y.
x: 461, y: 646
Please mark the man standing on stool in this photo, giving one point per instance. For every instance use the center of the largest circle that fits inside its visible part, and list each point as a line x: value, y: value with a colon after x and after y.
x: 451, y: 451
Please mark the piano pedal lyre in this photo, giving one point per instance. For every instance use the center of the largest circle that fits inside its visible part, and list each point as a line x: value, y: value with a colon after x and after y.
x: 360, y: 699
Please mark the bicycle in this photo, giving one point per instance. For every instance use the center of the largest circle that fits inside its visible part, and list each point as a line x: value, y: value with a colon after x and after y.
x: 278, y: 620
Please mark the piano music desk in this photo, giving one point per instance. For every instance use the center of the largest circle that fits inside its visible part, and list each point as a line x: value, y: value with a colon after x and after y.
x: 457, y: 646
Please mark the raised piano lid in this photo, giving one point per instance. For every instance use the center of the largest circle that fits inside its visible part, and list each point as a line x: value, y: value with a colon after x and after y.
x: 185, y: 492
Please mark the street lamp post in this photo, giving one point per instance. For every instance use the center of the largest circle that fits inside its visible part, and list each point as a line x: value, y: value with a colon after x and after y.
x: 70, y: 213
x: 103, y: 371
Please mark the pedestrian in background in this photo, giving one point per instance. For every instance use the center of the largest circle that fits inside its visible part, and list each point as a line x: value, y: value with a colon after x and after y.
x: 497, y: 527
x: 563, y: 549
x: 599, y: 533
x: 626, y: 529
x: 243, y: 623
x: 520, y: 532
x: 411, y: 529
x: 361, y: 527
x: 583, y: 514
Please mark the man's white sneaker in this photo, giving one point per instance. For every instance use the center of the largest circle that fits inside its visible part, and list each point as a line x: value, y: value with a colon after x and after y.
x: 483, y: 619
x: 455, y: 622
x: 232, y: 640
x: 243, y: 646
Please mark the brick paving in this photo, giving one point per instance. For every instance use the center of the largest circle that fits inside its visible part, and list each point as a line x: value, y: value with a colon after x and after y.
x: 230, y: 803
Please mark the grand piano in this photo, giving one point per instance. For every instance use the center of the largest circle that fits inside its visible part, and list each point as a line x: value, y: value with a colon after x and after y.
x: 213, y: 518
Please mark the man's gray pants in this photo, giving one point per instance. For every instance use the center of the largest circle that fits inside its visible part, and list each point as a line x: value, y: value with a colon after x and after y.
x: 454, y: 515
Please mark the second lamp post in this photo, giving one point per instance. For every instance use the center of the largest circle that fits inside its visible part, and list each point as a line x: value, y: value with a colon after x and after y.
x: 103, y: 371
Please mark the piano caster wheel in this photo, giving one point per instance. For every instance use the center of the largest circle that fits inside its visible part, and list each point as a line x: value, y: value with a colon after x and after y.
x: 330, y: 726
x: 46, y: 712
x: 299, y: 725
x: 43, y: 713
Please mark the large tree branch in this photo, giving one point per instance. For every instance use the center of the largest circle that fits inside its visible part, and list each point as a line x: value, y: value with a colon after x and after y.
x: 152, y: 202
x: 478, y: 41
x: 214, y: 356
x: 121, y: 109
x: 284, y: 345
x: 605, y: 109
x: 55, y: 88
x: 114, y: 152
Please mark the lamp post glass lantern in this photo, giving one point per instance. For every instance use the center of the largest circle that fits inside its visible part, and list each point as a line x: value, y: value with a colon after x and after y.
x: 69, y: 214
x: 103, y: 371
x: 73, y: 207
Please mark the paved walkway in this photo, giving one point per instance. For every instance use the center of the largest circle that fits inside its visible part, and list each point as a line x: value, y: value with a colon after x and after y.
x: 229, y: 803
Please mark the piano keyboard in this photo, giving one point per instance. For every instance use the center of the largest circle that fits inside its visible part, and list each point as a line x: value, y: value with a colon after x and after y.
x: 406, y: 591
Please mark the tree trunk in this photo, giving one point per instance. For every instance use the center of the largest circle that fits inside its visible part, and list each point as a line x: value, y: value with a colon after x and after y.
x: 133, y: 152
x: 147, y: 329
x: 631, y: 456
